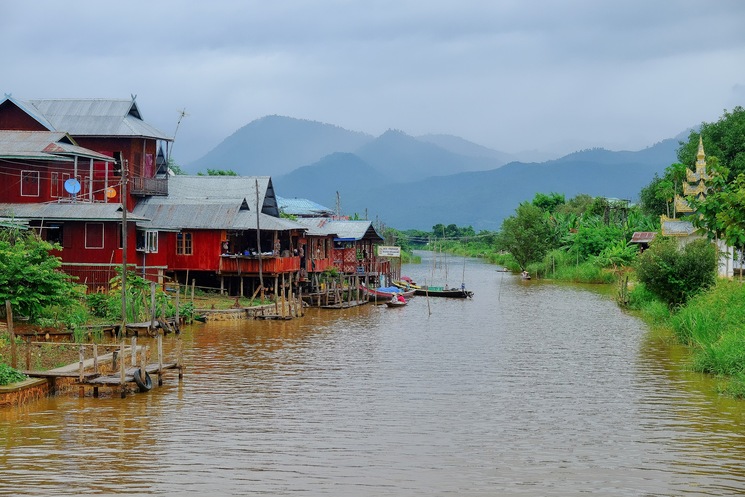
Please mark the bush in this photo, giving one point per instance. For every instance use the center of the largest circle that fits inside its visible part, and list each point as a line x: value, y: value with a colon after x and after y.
x: 675, y: 275
x: 9, y: 375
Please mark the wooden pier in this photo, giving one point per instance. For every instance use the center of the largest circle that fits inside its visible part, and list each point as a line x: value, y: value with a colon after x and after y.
x: 91, y: 373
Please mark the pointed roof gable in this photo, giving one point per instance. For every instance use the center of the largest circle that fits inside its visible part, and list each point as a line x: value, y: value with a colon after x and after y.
x: 91, y: 117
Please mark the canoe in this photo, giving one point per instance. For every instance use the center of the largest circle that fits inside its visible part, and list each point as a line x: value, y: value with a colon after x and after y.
x: 453, y: 293
x: 396, y: 303
x: 385, y: 293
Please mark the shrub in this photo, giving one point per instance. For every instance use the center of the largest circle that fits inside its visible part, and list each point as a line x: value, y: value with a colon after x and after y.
x: 9, y: 375
x: 674, y: 274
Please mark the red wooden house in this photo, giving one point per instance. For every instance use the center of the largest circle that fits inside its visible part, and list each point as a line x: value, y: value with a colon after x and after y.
x: 111, y: 139
x: 219, y: 230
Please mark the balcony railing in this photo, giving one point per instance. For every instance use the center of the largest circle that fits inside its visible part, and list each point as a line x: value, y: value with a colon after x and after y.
x: 149, y: 186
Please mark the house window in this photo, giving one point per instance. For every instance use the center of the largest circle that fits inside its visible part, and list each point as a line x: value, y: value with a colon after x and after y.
x: 54, y: 185
x: 93, y: 235
x: 29, y: 183
x: 117, y: 163
x: 54, y: 233
x: 184, y: 243
x: 147, y: 241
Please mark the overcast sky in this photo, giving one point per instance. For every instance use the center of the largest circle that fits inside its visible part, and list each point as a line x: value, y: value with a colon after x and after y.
x: 511, y: 75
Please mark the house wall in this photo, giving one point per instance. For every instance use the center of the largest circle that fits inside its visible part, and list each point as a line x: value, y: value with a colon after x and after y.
x: 36, y: 182
x: 205, y: 251
x: 13, y: 118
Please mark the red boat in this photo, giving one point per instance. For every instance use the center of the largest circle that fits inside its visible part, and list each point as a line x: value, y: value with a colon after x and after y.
x: 384, y: 294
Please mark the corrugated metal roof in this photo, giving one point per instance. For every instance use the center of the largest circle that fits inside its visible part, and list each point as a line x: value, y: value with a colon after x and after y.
x: 210, y: 189
x: 44, y: 145
x: 643, y: 236
x: 350, y: 230
x: 67, y: 211
x: 302, y: 207
x: 96, y: 117
x: 196, y: 214
x: 30, y: 110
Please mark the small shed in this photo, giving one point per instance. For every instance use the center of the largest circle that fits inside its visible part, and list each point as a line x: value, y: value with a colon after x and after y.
x: 643, y: 239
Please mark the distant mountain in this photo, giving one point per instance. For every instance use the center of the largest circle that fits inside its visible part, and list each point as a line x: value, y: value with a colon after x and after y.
x: 408, y: 158
x: 277, y: 145
x: 460, y: 146
x: 321, y: 180
x: 411, y: 182
x: 662, y: 151
x: 483, y: 199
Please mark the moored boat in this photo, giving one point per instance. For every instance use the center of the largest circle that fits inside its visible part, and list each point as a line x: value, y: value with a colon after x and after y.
x: 438, y: 291
x: 382, y: 294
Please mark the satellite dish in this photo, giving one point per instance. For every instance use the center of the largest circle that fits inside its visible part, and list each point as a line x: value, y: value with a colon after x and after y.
x: 72, y: 186
x: 110, y: 192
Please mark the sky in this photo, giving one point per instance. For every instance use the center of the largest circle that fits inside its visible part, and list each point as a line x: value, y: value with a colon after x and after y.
x: 512, y: 75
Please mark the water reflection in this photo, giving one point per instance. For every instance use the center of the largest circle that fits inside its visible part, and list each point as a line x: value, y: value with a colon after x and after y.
x: 530, y: 388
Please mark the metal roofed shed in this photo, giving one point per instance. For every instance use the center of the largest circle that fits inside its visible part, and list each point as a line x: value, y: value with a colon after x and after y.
x: 302, y: 207
x: 44, y: 145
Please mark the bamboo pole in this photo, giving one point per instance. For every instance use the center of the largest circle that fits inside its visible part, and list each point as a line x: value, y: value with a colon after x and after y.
x: 122, y: 368
x: 9, y: 319
x: 160, y: 359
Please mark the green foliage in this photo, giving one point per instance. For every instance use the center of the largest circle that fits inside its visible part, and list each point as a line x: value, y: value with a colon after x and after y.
x: 724, y: 139
x: 548, y: 202
x: 30, y: 277
x: 616, y: 254
x: 527, y: 235
x: 98, y: 304
x: 219, y: 172
x: 675, y: 275
x: 9, y: 375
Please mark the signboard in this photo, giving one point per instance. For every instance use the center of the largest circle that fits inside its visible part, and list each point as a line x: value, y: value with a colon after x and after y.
x: 385, y: 251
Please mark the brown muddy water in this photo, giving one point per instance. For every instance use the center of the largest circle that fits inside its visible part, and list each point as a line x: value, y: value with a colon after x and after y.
x: 531, y: 388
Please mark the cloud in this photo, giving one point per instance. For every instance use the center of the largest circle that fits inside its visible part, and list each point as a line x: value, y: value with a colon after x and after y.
x: 512, y: 75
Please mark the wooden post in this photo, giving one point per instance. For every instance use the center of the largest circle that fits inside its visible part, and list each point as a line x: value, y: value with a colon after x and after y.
x: 186, y: 283
x: 180, y: 357
x: 81, y: 355
x: 122, y: 368
x: 9, y: 319
x: 143, y: 363
x: 152, y: 306
x: 95, y: 358
x: 28, y: 353
x: 178, y: 312
x: 134, y: 351
x: 160, y: 359
x: 276, y: 294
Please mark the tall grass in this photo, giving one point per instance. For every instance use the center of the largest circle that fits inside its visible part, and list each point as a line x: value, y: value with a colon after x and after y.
x: 712, y: 324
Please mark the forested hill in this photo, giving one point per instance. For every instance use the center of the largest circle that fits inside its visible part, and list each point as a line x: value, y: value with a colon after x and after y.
x: 481, y: 199
x: 411, y: 182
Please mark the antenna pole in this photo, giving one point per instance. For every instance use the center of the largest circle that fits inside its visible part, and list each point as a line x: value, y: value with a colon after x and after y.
x: 125, y: 166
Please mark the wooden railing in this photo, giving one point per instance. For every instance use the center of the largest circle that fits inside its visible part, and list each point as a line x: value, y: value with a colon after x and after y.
x: 149, y: 186
x: 249, y: 265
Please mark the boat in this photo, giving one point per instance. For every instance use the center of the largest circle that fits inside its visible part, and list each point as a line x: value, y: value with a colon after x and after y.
x: 396, y: 303
x: 383, y: 294
x: 438, y: 291
x: 525, y: 275
x: 405, y: 284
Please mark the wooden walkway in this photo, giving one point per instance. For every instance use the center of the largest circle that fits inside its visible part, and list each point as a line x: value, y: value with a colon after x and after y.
x: 86, y: 372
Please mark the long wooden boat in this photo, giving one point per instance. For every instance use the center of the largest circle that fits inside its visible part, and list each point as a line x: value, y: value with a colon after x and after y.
x: 385, y: 293
x: 453, y: 293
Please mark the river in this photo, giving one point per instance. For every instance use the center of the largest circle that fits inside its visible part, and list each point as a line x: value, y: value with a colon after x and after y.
x: 530, y: 388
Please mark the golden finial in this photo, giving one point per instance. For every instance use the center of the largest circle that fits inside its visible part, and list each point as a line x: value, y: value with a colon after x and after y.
x: 700, y: 155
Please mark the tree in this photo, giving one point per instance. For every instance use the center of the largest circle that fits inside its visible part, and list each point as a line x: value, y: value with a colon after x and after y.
x: 674, y: 274
x: 527, y: 235
x: 549, y: 202
x: 29, y: 275
x: 219, y: 172
x: 724, y: 139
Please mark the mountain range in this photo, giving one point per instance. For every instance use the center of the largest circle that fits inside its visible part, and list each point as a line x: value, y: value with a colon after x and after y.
x: 417, y: 182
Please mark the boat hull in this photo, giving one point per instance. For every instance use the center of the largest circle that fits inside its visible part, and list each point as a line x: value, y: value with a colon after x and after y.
x: 456, y: 293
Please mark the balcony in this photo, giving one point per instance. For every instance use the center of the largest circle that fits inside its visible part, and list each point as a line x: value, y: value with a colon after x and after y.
x: 149, y: 186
